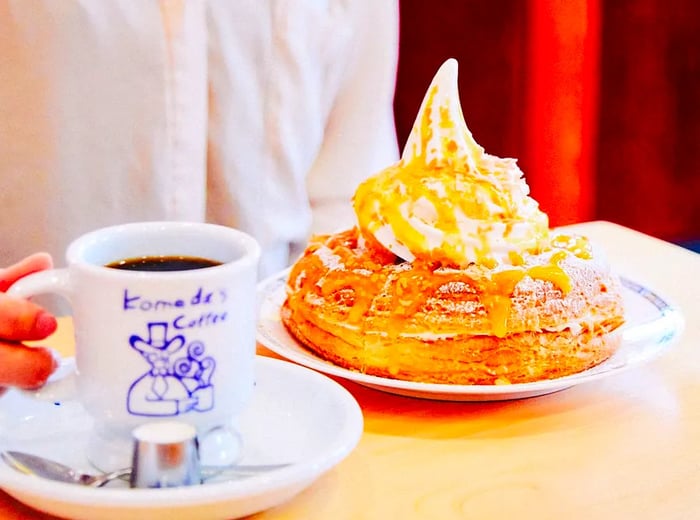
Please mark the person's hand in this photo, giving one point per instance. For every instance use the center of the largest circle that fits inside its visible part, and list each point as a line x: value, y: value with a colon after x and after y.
x: 22, y: 320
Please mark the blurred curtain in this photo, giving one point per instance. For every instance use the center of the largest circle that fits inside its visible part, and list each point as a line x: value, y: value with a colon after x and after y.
x: 561, y: 81
x: 597, y: 99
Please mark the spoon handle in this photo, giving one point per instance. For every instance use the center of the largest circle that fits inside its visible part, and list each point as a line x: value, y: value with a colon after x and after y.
x: 208, y: 472
x: 35, y: 465
x: 101, y: 480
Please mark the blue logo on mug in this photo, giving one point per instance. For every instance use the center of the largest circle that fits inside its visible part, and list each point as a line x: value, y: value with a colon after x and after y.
x: 179, y: 379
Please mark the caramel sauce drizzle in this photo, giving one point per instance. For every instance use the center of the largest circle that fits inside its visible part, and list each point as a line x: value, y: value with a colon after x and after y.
x: 472, y: 194
x: 364, y: 272
x: 459, y: 182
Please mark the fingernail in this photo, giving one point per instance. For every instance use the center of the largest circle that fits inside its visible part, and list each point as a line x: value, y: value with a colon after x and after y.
x: 45, y: 323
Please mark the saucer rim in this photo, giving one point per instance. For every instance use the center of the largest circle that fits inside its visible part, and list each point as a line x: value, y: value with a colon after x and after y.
x: 297, y: 475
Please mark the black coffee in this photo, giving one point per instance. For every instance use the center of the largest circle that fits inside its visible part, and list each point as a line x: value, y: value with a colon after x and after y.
x: 163, y: 263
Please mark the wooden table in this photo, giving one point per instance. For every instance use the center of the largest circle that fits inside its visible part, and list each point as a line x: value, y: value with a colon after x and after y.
x: 623, y: 447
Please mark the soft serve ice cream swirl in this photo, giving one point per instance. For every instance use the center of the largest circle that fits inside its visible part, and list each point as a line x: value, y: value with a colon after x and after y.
x: 447, y: 199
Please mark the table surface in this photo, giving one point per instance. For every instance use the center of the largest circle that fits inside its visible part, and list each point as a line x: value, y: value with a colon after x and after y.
x: 627, y: 446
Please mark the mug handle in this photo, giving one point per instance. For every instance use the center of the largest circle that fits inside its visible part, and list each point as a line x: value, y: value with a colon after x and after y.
x: 61, y: 386
x: 54, y: 281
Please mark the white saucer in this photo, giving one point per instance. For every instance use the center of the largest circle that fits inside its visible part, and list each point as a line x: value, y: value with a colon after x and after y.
x: 652, y: 325
x: 297, y: 415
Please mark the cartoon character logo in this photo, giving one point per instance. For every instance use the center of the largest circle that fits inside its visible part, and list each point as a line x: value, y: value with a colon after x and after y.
x: 179, y: 380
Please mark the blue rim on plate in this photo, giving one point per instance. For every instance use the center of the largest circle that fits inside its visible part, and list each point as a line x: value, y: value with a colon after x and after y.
x: 652, y: 325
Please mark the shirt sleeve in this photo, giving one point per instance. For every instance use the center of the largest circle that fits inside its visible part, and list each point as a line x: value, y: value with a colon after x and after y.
x: 360, y: 136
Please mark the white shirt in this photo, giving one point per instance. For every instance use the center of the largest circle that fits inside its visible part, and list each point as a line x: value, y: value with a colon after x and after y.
x: 261, y: 115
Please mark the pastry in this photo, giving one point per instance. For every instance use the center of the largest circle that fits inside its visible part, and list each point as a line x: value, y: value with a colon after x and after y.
x: 452, y: 274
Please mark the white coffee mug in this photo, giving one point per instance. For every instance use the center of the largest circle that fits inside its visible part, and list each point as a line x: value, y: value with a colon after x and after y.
x: 150, y: 346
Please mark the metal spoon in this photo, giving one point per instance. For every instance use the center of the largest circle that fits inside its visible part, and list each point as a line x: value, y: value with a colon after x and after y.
x: 39, y: 466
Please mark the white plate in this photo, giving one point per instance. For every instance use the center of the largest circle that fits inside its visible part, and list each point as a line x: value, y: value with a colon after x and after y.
x: 297, y: 415
x: 652, y: 325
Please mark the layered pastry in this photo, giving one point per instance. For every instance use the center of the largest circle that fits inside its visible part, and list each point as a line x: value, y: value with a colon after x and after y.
x: 452, y: 274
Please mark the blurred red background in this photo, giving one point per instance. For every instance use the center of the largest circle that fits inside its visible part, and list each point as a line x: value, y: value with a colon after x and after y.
x: 599, y: 101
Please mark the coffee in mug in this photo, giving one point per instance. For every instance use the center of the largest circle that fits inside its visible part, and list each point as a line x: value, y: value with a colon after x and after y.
x: 163, y: 263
